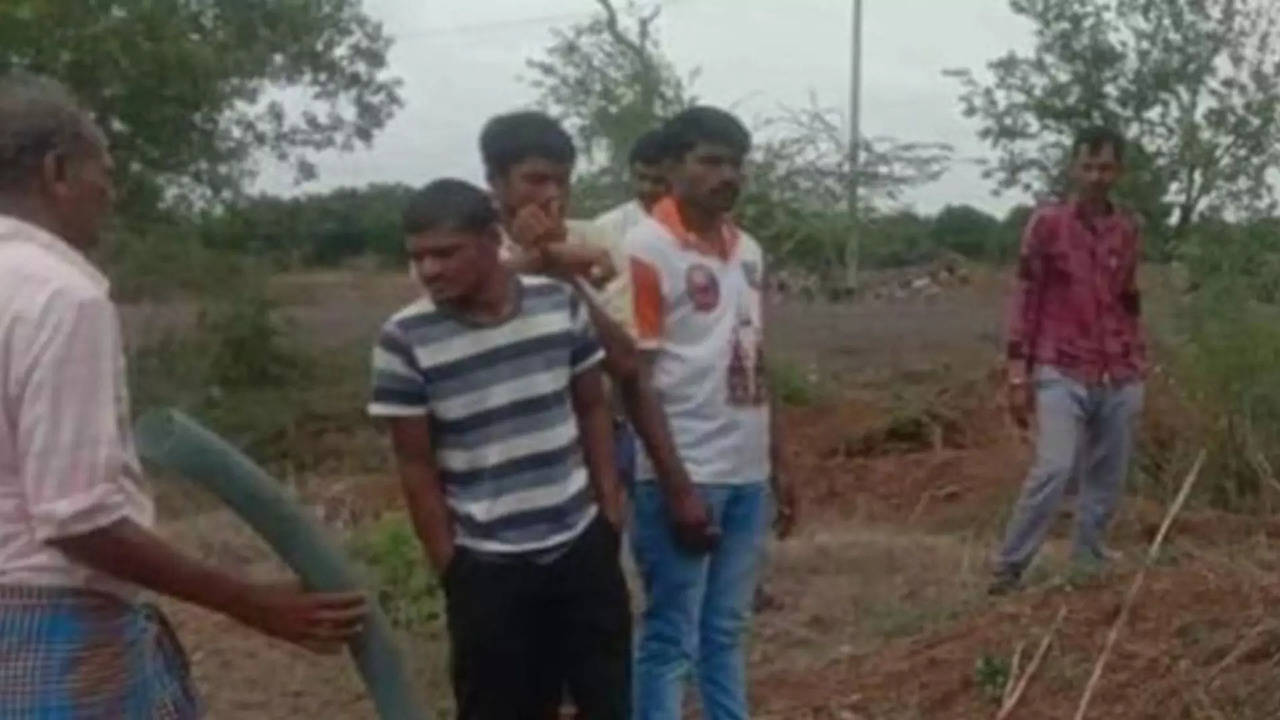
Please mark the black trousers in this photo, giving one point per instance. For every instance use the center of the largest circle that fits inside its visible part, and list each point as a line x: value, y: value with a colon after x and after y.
x: 523, y: 632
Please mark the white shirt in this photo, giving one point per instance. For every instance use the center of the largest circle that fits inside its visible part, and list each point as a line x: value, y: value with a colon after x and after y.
x: 615, y: 297
x: 67, y: 462
x: 699, y: 311
x: 621, y: 220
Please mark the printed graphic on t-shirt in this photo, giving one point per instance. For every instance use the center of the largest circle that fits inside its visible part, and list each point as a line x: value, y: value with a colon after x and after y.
x: 746, y: 375
x: 703, y: 287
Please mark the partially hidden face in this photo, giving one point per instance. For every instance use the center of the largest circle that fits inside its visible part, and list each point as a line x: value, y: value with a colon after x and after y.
x: 534, y: 181
x: 78, y: 183
x: 649, y: 183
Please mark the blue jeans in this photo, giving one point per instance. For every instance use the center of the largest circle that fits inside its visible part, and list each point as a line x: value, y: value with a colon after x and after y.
x: 697, y: 606
x: 1085, y: 431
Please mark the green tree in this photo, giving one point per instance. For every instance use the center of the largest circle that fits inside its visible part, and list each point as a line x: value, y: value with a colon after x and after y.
x: 607, y: 80
x: 799, y: 180
x: 896, y: 239
x: 190, y: 94
x: 1194, y: 83
x: 321, y: 229
x: 1012, y: 226
x: 966, y: 230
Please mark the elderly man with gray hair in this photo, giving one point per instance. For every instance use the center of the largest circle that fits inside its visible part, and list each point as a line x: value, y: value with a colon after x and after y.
x: 76, y: 552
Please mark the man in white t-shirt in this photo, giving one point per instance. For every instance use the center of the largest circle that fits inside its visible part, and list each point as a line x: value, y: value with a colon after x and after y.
x: 649, y: 183
x: 697, y: 284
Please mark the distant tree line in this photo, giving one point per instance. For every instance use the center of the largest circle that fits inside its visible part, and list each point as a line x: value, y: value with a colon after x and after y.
x: 334, y: 228
x: 314, y: 230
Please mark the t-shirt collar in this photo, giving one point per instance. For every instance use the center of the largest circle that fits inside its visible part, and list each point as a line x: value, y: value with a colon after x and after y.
x: 667, y: 214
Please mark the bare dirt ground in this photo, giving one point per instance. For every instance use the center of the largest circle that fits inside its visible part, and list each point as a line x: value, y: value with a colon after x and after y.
x: 906, y: 469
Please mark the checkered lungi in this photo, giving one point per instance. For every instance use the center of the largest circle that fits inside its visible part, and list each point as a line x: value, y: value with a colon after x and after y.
x: 82, y: 655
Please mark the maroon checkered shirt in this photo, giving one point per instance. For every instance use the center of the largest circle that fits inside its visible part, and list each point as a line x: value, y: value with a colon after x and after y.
x: 1076, y: 304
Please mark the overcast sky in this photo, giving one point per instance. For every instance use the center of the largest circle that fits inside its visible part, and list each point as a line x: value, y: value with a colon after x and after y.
x: 462, y: 61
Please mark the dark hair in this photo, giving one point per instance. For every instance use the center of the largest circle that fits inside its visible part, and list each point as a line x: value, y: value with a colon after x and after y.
x: 515, y: 137
x: 650, y: 148
x: 38, y: 116
x: 705, y: 124
x: 449, y: 204
x: 1097, y: 137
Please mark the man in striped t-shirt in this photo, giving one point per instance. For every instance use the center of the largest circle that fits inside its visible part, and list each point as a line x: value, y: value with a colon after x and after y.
x: 502, y: 433
x: 528, y: 159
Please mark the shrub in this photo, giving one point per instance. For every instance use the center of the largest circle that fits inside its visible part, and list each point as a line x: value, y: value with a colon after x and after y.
x: 235, y: 369
x: 792, y: 384
x: 406, y: 588
x: 1223, y: 348
x: 991, y: 675
x: 166, y: 261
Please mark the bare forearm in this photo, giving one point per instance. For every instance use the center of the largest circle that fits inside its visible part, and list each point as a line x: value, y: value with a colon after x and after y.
x: 650, y: 420
x: 423, y: 489
x: 595, y: 426
x: 597, y: 441
x: 434, y: 532
x: 630, y: 372
x: 621, y: 355
x: 429, y: 514
x: 127, y: 551
x: 524, y: 262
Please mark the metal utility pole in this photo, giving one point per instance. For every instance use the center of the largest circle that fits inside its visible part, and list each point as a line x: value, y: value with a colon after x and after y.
x: 855, y: 148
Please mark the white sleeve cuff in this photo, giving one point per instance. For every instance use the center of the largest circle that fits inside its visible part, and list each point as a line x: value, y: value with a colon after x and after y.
x: 383, y: 410
x: 595, y: 359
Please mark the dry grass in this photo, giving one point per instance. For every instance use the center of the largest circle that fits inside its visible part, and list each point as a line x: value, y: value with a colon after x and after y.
x: 906, y: 473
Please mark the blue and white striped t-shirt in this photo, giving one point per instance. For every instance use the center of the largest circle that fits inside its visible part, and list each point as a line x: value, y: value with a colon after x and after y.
x: 498, y: 396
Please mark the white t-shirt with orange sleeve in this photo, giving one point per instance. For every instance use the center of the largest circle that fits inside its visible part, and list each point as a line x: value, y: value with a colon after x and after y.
x: 699, y: 310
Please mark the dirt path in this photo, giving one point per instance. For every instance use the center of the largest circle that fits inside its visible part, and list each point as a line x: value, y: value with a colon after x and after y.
x: 883, y: 614
x: 241, y: 675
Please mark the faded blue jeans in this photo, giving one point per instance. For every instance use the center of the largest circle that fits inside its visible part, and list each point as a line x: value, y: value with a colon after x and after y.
x: 1091, y: 425
x: 697, y: 606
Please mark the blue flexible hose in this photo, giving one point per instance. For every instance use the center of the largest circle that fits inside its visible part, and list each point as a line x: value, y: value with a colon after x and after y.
x: 173, y: 441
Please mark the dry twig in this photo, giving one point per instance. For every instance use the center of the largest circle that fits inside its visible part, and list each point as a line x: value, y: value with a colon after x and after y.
x: 1207, y: 705
x: 928, y: 496
x: 1013, y: 673
x: 1132, y: 594
x: 1244, y: 646
x: 1259, y: 460
x: 1012, y: 703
